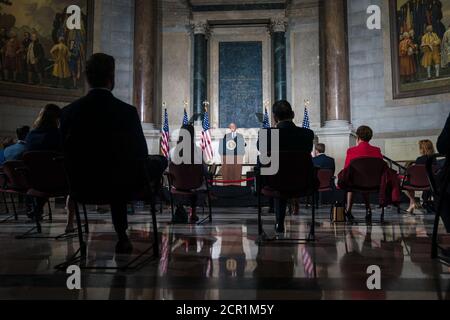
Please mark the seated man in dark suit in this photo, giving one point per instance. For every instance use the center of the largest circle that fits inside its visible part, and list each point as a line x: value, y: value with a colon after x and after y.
x: 292, y: 139
x: 443, y: 146
x: 321, y: 160
x: 15, y: 152
x: 104, y: 146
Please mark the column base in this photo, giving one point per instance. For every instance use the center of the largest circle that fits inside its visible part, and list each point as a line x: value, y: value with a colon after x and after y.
x: 153, y: 136
x: 337, y: 136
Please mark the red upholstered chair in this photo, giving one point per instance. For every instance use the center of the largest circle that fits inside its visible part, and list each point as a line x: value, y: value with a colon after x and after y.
x: 416, y: 178
x: 364, y: 176
x: 187, y: 180
x: 295, y: 178
x: 325, y: 177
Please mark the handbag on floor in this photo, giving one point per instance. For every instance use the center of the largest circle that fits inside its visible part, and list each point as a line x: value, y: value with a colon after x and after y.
x: 181, y: 215
x: 337, y: 214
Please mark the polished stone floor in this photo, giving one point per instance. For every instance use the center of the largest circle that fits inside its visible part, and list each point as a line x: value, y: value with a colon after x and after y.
x: 223, y: 261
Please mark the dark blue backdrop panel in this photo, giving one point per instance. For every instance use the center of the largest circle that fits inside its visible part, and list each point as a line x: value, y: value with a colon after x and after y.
x: 240, y: 83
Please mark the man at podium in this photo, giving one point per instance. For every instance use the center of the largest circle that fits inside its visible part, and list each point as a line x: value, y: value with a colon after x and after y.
x: 232, y: 152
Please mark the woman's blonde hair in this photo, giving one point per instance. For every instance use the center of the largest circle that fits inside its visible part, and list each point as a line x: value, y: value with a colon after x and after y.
x: 426, y: 148
x: 48, y: 117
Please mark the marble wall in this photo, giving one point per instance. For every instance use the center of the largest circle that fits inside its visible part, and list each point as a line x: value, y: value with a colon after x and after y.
x: 398, y: 124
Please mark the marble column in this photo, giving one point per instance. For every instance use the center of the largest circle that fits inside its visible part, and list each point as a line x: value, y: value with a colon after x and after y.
x: 278, y: 30
x: 335, y: 51
x: 145, y: 59
x: 200, y: 81
x: 337, y: 133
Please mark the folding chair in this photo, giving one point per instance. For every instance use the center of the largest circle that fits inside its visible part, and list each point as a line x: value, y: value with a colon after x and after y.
x: 326, y: 182
x: 296, y: 178
x: 364, y: 176
x: 439, y: 194
x: 416, y: 178
x: 46, y: 180
x: 187, y: 180
x: 81, y: 197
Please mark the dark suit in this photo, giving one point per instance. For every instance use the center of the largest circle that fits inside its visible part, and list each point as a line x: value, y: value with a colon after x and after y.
x: 104, y: 148
x: 443, y: 144
x: 44, y: 140
x: 292, y: 139
x: 323, y: 161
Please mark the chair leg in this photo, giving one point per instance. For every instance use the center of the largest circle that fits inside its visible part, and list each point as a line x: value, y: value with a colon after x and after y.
x: 382, y: 214
x: 313, y: 225
x: 37, y: 217
x: 260, y: 226
x: 13, y: 204
x: 155, y: 229
x: 5, y: 203
x: 50, y: 214
x: 434, y: 239
x: 172, y: 205
x: 86, y: 220
x: 80, y: 231
x: 210, y: 208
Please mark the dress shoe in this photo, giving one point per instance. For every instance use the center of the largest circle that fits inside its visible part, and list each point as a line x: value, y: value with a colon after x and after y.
x: 124, y: 246
x: 349, y: 216
x: 279, y: 228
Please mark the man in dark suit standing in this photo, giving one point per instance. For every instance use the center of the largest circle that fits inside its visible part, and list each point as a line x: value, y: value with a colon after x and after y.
x: 104, y: 146
x: 443, y: 146
x: 321, y: 160
x: 233, y: 152
x: 292, y: 139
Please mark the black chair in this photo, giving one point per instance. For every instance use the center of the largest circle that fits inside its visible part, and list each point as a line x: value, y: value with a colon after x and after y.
x: 296, y: 178
x: 46, y: 180
x: 187, y: 180
x: 79, y: 196
x: 15, y: 181
x: 438, y: 190
x: 364, y: 176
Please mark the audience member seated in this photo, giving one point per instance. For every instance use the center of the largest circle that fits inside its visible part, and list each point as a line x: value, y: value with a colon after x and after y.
x: 363, y: 149
x: 426, y: 149
x: 292, y: 139
x: 5, y: 144
x: 46, y: 136
x: 196, y: 157
x: 321, y: 160
x: 16, y: 151
x: 105, y: 147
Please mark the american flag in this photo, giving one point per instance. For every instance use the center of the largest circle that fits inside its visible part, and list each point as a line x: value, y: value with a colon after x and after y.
x: 206, y: 138
x: 308, y: 264
x: 165, y: 137
x: 185, y: 118
x: 306, y: 123
x: 266, y: 121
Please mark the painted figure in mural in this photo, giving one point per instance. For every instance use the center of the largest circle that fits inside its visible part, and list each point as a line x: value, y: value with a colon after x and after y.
x: 35, y: 59
x: 60, y: 53
x: 407, y: 49
x: 74, y: 62
x: 416, y: 53
x: 446, y: 49
x: 23, y: 54
x: 431, y: 48
x: 11, y: 53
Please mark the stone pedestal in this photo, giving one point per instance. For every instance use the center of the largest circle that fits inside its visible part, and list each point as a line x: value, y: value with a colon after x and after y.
x: 153, y: 140
x: 337, y: 140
